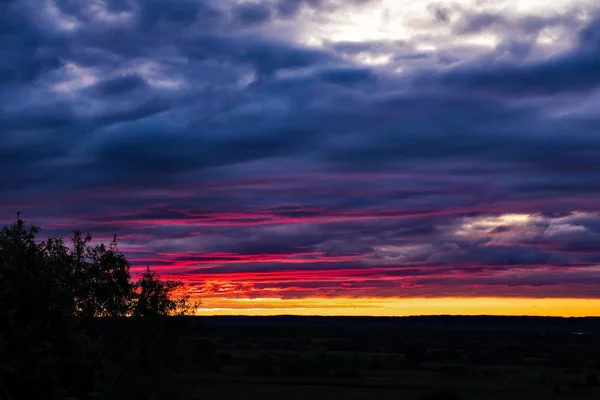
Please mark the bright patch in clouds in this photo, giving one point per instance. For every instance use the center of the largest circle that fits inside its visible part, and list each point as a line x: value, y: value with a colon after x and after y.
x: 486, y: 225
x: 73, y: 77
x: 427, y: 25
x: 518, y: 227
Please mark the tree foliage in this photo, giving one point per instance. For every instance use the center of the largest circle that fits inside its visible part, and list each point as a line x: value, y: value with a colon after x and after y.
x: 154, y: 297
x: 50, y: 293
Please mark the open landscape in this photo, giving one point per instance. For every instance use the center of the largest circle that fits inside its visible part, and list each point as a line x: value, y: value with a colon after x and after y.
x: 433, y: 358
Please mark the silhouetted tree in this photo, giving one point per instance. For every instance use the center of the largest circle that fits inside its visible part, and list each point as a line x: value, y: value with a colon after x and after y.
x: 154, y: 297
x: 50, y: 295
x: 102, y: 280
x: 39, y: 334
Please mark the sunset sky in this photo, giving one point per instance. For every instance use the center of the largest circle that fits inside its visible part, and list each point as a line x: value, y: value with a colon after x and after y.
x: 358, y: 157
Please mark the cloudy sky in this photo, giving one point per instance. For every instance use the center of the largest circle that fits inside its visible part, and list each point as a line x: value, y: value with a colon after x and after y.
x: 315, y: 155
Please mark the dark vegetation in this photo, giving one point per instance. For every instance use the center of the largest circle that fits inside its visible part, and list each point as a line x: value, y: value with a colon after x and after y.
x: 54, y: 342
x: 74, y: 325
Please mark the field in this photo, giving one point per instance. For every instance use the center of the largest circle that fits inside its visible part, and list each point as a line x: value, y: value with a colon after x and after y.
x: 478, y: 358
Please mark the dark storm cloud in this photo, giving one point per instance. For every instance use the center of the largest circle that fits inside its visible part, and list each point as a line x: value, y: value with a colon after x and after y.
x: 253, y: 13
x: 347, y: 76
x: 25, y: 54
x: 469, y: 20
x: 119, y: 85
x: 571, y: 72
x: 206, y: 137
x: 507, y: 255
x: 482, y: 21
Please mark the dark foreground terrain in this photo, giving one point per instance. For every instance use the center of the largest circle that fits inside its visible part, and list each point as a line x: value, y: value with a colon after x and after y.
x: 388, y: 358
x: 74, y: 325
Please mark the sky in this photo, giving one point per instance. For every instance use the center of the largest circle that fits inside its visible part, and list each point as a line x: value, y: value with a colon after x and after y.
x: 358, y: 157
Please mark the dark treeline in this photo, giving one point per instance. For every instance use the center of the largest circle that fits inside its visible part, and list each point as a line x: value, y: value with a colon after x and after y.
x: 51, y: 298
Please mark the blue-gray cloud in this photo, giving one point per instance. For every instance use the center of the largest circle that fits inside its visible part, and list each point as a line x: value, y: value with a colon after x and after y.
x: 204, y: 128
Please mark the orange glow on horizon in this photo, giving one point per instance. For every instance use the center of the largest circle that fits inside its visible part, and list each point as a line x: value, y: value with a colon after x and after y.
x: 559, y: 307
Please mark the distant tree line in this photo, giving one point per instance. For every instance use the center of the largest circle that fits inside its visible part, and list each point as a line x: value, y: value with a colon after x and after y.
x: 51, y: 296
